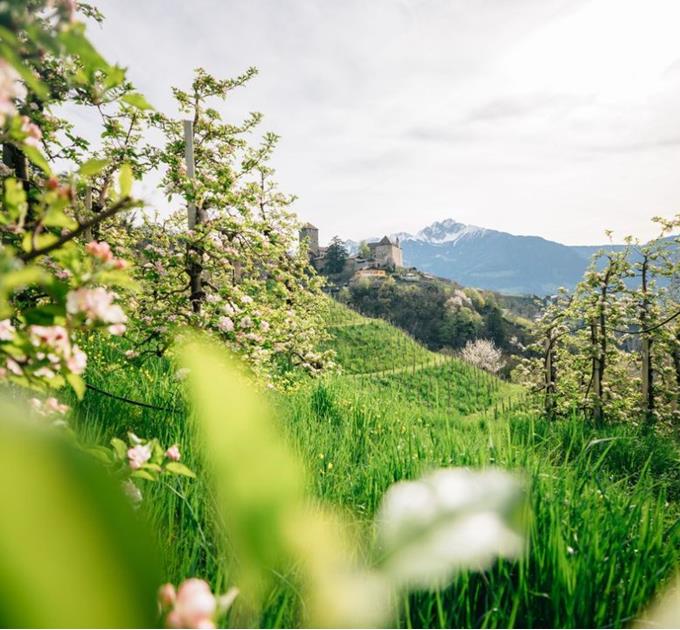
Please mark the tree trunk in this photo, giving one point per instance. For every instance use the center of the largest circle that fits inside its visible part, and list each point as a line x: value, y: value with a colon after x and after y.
x: 596, y: 348
x: 550, y: 374
x: 647, y: 373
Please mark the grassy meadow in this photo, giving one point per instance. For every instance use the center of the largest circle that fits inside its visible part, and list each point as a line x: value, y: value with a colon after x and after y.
x: 604, y: 531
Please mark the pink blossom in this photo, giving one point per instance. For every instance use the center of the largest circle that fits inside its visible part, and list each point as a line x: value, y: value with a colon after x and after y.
x: 166, y: 595
x: 225, y: 324
x: 77, y: 362
x: 173, y: 453
x: 195, y: 606
x: 246, y: 322
x: 52, y: 405
x: 264, y: 326
x: 246, y: 299
x: 117, y: 329
x: 32, y: 131
x: 11, y: 88
x: 44, y: 372
x: 6, y: 330
x: 96, y: 304
x: 119, y: 263
x: 49, y: 406
x: 138, y: 456
x: 14, y: 367
x: 101, y: 250
x: 53, y: 336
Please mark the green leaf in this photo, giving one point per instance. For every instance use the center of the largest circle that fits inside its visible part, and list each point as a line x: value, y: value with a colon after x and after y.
x: 35, y: 156
x: 261, y: 496
x: 101, y: 453
x: 259, y: 484
x: 15, y: 200
x: 136, y: 100
x: 120, y: 448
x: 8, y: 47
x: 77, y: 384
x: 93, y: 167
x: 43, y: 315
x: 73, y: 552
x: 23, y: 277
x: 125, y: 180
x: 55, y: 217
x: 179, y: 469
x: 74, y: 40
x: 143, y: 474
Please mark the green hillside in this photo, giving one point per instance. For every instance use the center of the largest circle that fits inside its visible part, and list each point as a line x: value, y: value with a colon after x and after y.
x: 366, y: 345
x: 598, y: 498
x: 385, y: 362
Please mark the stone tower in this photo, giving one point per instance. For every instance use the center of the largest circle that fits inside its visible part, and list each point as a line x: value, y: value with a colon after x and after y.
x: 310, y: 233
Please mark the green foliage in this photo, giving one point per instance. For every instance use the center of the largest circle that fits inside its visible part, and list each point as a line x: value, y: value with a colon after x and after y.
x: 336, y: 256
x: 611, y: 347
x: 73, y: 553
x: 439, y: 314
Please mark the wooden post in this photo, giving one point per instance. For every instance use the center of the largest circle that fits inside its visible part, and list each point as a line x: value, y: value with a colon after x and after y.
x: 191, y: 168
x: 194, y: 255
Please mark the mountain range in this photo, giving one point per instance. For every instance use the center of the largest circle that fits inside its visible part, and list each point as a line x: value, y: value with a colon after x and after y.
x: 490, y: 259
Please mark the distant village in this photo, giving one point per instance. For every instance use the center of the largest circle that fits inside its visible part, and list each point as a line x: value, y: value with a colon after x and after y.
x: 377, y: 260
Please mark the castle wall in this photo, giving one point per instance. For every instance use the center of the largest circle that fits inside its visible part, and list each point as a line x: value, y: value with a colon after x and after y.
x: 388, y: 255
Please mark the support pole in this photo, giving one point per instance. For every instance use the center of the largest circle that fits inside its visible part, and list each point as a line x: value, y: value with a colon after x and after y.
x: 191, y: 167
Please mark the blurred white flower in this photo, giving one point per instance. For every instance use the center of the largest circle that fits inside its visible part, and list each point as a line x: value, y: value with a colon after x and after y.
x: 451, y: 520
x: 182, y: 373
x: 7, y: 331
x: 132, y: 492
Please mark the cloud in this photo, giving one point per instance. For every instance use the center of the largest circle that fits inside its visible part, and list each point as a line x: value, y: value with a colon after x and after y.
x: 513, y: 115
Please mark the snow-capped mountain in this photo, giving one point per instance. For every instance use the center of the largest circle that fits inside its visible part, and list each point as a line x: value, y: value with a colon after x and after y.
x: 490, y: 259
x: 447, y: 231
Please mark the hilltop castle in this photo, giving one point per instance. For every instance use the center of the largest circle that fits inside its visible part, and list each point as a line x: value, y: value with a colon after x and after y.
x: 387, y: 253
x: 384, y: 253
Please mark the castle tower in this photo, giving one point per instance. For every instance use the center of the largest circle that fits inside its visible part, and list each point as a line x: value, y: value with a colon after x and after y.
x: 310, y: 233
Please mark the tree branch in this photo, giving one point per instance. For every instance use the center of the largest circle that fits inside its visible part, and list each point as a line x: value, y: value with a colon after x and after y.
x: 119, y: 206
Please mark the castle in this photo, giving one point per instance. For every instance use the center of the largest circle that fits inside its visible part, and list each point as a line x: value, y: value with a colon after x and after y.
x: 384, y: 253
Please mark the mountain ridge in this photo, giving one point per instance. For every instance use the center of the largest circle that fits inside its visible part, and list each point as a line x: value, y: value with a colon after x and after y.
x: 493, y: 259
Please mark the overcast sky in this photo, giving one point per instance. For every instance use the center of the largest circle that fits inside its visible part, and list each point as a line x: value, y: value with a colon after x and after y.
x: 559, y: 118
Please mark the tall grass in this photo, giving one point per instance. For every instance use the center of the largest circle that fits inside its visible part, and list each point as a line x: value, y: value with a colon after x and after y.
x: 603, y: 532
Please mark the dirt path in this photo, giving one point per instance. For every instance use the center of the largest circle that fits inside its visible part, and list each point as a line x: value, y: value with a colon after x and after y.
x: 435, y: 362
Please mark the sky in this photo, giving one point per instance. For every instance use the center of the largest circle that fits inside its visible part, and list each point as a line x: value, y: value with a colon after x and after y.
x: 557, y: 118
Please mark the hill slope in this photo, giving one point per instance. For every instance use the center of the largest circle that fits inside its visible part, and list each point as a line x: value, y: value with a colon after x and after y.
x: 603, y: 502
